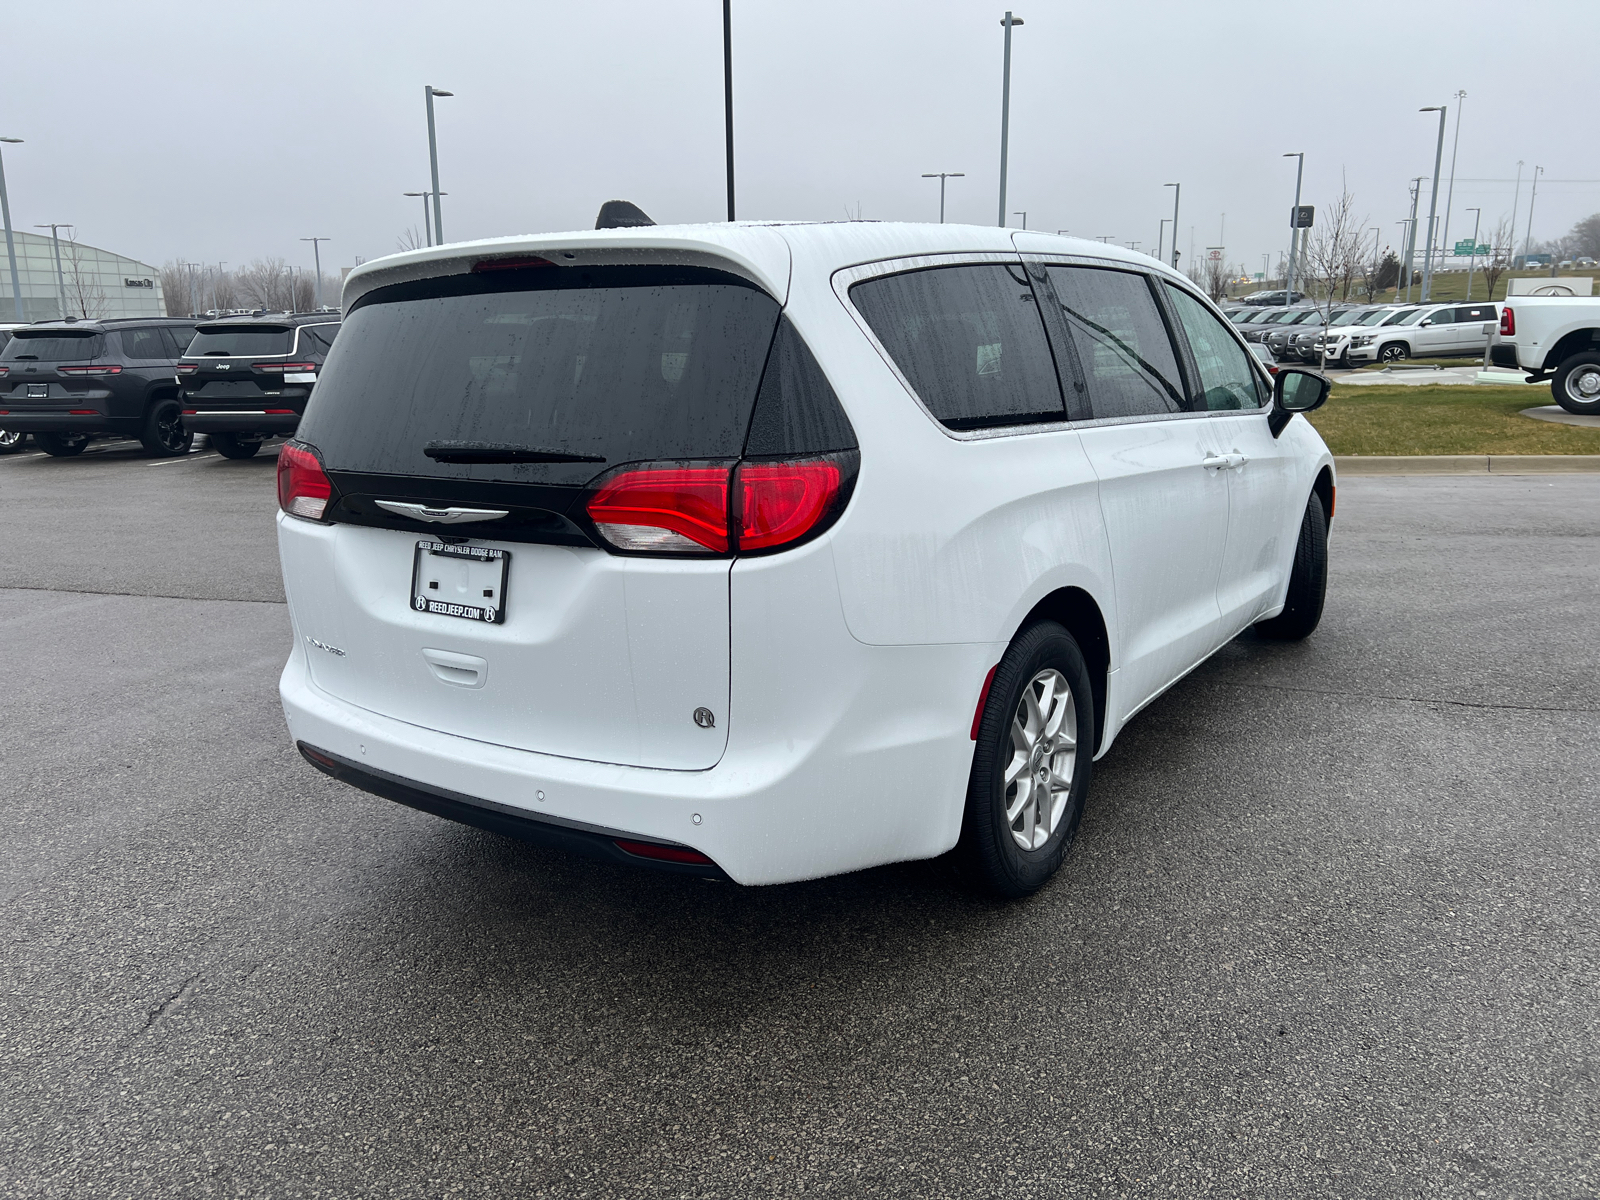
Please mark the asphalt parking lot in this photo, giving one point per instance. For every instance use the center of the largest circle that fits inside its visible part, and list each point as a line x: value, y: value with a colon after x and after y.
x: 1329, y: 929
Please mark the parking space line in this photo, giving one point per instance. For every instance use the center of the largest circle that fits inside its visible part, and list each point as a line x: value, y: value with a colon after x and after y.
x: 167, y: 462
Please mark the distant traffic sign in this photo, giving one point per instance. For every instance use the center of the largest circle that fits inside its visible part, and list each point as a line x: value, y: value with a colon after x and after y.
x: 1467, y: 247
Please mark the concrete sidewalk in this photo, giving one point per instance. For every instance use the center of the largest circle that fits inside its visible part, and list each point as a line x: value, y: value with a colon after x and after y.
x: 1467, y: 464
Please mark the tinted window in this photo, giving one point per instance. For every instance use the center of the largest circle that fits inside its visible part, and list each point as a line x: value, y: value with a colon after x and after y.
x: 316, y: 339
x: 241, y: 340
x: 970, y: 341
x: 1121, y: 341
x: 143, y: 344
x: 797, y: 411
x: 1477, y: 312
x: 1227, y: 378
x: 178, y: 338
x: 620, y: 364
x: 54, y: 345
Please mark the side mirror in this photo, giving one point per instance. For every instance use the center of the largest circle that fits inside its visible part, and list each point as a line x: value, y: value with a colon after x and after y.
x: 1296, y: 390
x: 1427, y: 321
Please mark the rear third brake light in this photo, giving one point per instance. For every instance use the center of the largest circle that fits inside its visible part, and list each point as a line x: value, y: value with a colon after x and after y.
x: 510, y: 264
x: 679, y: 510
x: 1508, y: 322
x: 303, y: 487
x: 96, y: 370
x: 284, y: 366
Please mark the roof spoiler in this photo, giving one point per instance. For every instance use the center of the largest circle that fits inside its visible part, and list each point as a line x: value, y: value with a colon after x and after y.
x: 621, y: 214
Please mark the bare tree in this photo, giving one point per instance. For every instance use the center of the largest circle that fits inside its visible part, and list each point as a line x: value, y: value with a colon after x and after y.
x: 1499, y: 260
x: 411, y: 239
x: 1334, y: 253
x: 85, y: 297
x: 267, y: 283
x: 1216, y: 278
x: 305, y: 293
x: 178, y: 290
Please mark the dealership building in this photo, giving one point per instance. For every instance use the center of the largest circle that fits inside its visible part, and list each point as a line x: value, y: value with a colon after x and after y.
x: 94, y: 282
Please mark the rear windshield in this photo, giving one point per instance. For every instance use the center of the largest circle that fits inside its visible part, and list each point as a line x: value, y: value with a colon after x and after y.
x: 607, y: 364
x: 240, y: 340
x: 53, y: 345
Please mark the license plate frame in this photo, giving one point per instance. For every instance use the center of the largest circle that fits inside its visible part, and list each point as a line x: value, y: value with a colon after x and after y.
x: 38, y: 391
x: 492, y: 573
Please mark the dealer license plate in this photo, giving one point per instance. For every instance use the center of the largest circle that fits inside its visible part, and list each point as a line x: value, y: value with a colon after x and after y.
x: 460, y: 581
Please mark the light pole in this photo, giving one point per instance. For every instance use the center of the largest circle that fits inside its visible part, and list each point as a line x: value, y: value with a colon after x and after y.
x: 1411, y: 239
x: 1515, y: 196
x: 1473, y: 255
x: 1294, y: 225
x: 1527, y: 246
x: 55, y: 242
x: 1450, y: 195
x: 1005, y: 112
x: 1177, y: 191
x: 727, y: 95
x: 941, y: 176
x: 1433, y: 200
x: 1023, y: 213
x: 1161, y: 240
x: 11, y: 249
x: 427, y: 233
x: 315, y: 253
x: 433, y: 161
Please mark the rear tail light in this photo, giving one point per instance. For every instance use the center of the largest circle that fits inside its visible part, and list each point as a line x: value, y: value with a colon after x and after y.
x: 675, y: 854
x: 701, y: 509
x: 273, y: 366
x: 188, y: 368
x: 4, y: 371
x: 673, y: 509
x: 1508, y: 322
x: 98, y: 370
x: 303, y: 487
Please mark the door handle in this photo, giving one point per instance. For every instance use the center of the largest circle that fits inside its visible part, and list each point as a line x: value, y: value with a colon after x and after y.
x: 1217, y: 462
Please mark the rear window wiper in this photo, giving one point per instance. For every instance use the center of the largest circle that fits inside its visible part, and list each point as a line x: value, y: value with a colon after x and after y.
x: 498, y: 452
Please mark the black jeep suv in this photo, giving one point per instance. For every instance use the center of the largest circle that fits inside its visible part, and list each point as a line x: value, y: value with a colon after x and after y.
x: 245, y: 379
x: 68, y: 381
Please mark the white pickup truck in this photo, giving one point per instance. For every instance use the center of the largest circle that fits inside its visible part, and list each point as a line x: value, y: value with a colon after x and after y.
x: 1555, y: 338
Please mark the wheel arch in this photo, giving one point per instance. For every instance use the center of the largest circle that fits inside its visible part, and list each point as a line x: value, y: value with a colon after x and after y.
x: 1323, y: 487
x: 1576, y: 341
x: 1079, y: 613
x: 157, y: 393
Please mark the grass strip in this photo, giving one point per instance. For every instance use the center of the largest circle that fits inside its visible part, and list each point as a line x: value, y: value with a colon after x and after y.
x: 1445, y: 419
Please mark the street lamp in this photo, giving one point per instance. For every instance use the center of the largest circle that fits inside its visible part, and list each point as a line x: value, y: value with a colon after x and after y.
x: 1177, y: 190
x: 1515, y: 196
x: 941, y: 176
x: 1005, y: 113
x: 727, y: 94
x: 427, y: 233
x: 433, y: 160
x: 1450, y: 194
x: 55, y: 241
x: 1023, y: 213
x: 1527, y: 246
x: 1473, y: 253
x: 315, y: 253
x: 1294, y: 225
x: 1433, y: 200
x: 11, y: 249
x: 1161, y: 240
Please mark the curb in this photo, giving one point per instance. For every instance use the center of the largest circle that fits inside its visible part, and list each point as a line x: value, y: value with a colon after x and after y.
x: 1468, y: 464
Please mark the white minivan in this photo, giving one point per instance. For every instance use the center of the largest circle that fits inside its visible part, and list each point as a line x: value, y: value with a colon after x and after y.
x: 773, y: 551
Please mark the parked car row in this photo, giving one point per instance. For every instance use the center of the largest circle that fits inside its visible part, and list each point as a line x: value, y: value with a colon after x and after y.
x: 1351, y: 335
x: 240, y: 380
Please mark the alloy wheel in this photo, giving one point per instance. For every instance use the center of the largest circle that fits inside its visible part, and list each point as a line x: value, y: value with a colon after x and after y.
x: 1044, y: 742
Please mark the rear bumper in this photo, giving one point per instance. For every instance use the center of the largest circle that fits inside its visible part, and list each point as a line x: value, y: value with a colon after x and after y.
x: 1503, y: 354
x: 553, y: 833
x: 232, y: 421
x: 61, y: 422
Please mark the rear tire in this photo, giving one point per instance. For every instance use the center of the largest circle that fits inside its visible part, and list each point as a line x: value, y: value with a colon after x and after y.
x: 12, y: 442
x: 62, y: 445
x: 1032, y: 765
x: 1576, y: 385
x: 164, y: 435
x: 230, y: 445
x: 1308, y: 580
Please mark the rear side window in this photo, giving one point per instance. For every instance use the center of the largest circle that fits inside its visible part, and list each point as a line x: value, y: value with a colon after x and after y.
x: 316, y: 339
x: 54, y: 345
x: 605, y: 365
x: 178, y: 339
x: 1121, y: 341
x: 241, y: 340
x: 1228, y: 380
x: 970, y: 340
x: 143, y: 344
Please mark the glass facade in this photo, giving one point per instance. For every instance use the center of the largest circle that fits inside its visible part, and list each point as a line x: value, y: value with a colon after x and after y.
x: 97, y: 282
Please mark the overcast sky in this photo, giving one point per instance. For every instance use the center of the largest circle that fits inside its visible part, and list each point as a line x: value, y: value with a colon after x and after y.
x: 211, y: 131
